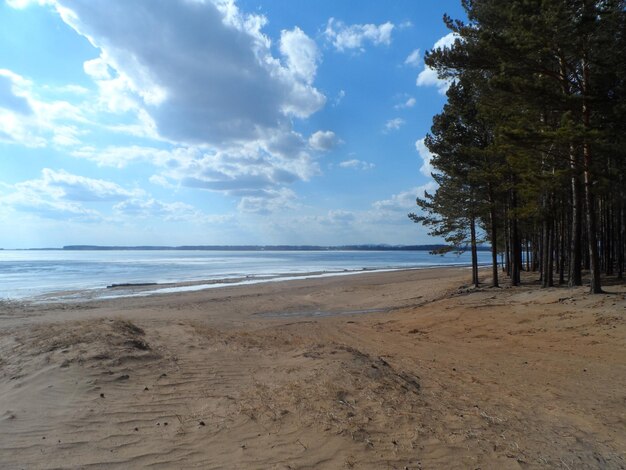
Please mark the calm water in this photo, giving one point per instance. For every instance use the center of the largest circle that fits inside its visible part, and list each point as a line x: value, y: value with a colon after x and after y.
x: 29, y: 274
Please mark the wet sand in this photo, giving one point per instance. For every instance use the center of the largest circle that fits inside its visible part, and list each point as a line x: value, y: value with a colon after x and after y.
x: 407, y: 369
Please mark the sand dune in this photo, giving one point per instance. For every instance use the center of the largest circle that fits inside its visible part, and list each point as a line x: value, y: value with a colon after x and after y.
x: 430, y: 374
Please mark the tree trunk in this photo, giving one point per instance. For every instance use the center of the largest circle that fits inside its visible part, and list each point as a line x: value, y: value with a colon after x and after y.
x: 608, y: 237
x: 594, y: 265
x: 507, y: 246
x: 516, y: 249
x: 562, y: 250
x: 574, y: 274
x: 547, y: 279
x: 575, y: 268
x: 474, y: 252
x: 535, y: 255
x: 621, y: 238
x: 494, y: 239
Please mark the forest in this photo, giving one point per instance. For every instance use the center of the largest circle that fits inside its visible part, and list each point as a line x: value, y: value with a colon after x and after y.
x: 529, y: 150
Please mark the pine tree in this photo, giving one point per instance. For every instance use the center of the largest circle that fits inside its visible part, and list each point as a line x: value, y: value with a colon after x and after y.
x: 551, y: 82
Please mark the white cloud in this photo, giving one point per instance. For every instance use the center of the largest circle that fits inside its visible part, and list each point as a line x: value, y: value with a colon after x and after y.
x: 208, y: 77
x: 339, y: 98
x: 67, y: 136
x: 339, y: 216
x: 148, y: 208
x: 428, y: 76
x: 426, y: 169
x: 409, y: 103
x: 27, y: 120
x: 12, y: 94
x: 385, y: 220
x: 394, y: 124
x: 239, y: 172
x: 244, y: 171
x: 161, y: 180
x: 301, y: 54
x: 447, y: 41
x: 268, y: 201
x: 324, y: 140
x: 59, y: 194
x: 69, y: 89
x: 356, y: 164
x: 122, y: 156
x: 60, y: 184
x: 207, y: 89
x: 414, y: 59
x: 18, y: 121
x: 97, y: 68
x: 20, y: 4
x: 405, y: 200
x: 344, y: 37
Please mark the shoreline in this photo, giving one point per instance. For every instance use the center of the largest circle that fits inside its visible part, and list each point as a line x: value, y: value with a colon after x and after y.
x: 232, y: 297
x: 52, y: 274
x: 403, y: 369
x: 145, y: 289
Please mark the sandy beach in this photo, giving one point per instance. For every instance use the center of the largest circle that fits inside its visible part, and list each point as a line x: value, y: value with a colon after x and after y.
x: 406, y: 369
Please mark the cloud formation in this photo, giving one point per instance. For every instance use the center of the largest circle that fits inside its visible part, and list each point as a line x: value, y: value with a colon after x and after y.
x: 267, y: 201
x: 59, y: 194
x: 257, y: 170
x: 27, y: 120
x: 400, y: 204
x: 409, y: 103
x: 10, y: 99
x: 428, y: 76
x: 147, y: 208
x: 339, y: 98
x: 394, y: 124
x: 349, y: 37
x: 323, y: 140
x: 413, y: 59
x: 207, y: 90
x: 208, y: 77
x: 356, y: 164
x: 301, y: 54
x: 426, y: 155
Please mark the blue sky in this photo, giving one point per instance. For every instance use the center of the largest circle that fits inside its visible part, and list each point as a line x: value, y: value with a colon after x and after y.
x: 216, y: 122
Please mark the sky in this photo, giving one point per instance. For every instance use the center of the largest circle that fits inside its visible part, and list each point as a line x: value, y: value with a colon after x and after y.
x: 190, y: 122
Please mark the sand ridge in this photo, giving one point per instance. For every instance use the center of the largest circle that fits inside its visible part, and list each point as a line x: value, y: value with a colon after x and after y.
x: 436, y: 375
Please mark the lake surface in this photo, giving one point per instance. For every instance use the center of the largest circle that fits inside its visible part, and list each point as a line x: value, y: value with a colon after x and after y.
x: 32, y: 274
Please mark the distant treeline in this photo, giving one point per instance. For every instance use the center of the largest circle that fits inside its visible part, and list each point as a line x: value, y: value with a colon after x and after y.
x: 530, y: 149
x: 431, y: 248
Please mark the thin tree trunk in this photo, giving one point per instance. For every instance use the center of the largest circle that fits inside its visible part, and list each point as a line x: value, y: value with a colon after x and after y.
x: 474, y: 252
x: 516, y: 251
x: 594, y: 265
x: 575, y: 268
x: 507, y: 246
x: 494, y: 239
x: 574, y: 274
x: 621, y: 238
x: 562, y: 250
x: 609, y: 237
x: 622, y: 232
x: 547, y: 279
x: 536, y: 256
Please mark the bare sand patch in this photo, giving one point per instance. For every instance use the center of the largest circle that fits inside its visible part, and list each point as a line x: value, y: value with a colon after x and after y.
x: 429, y: 374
